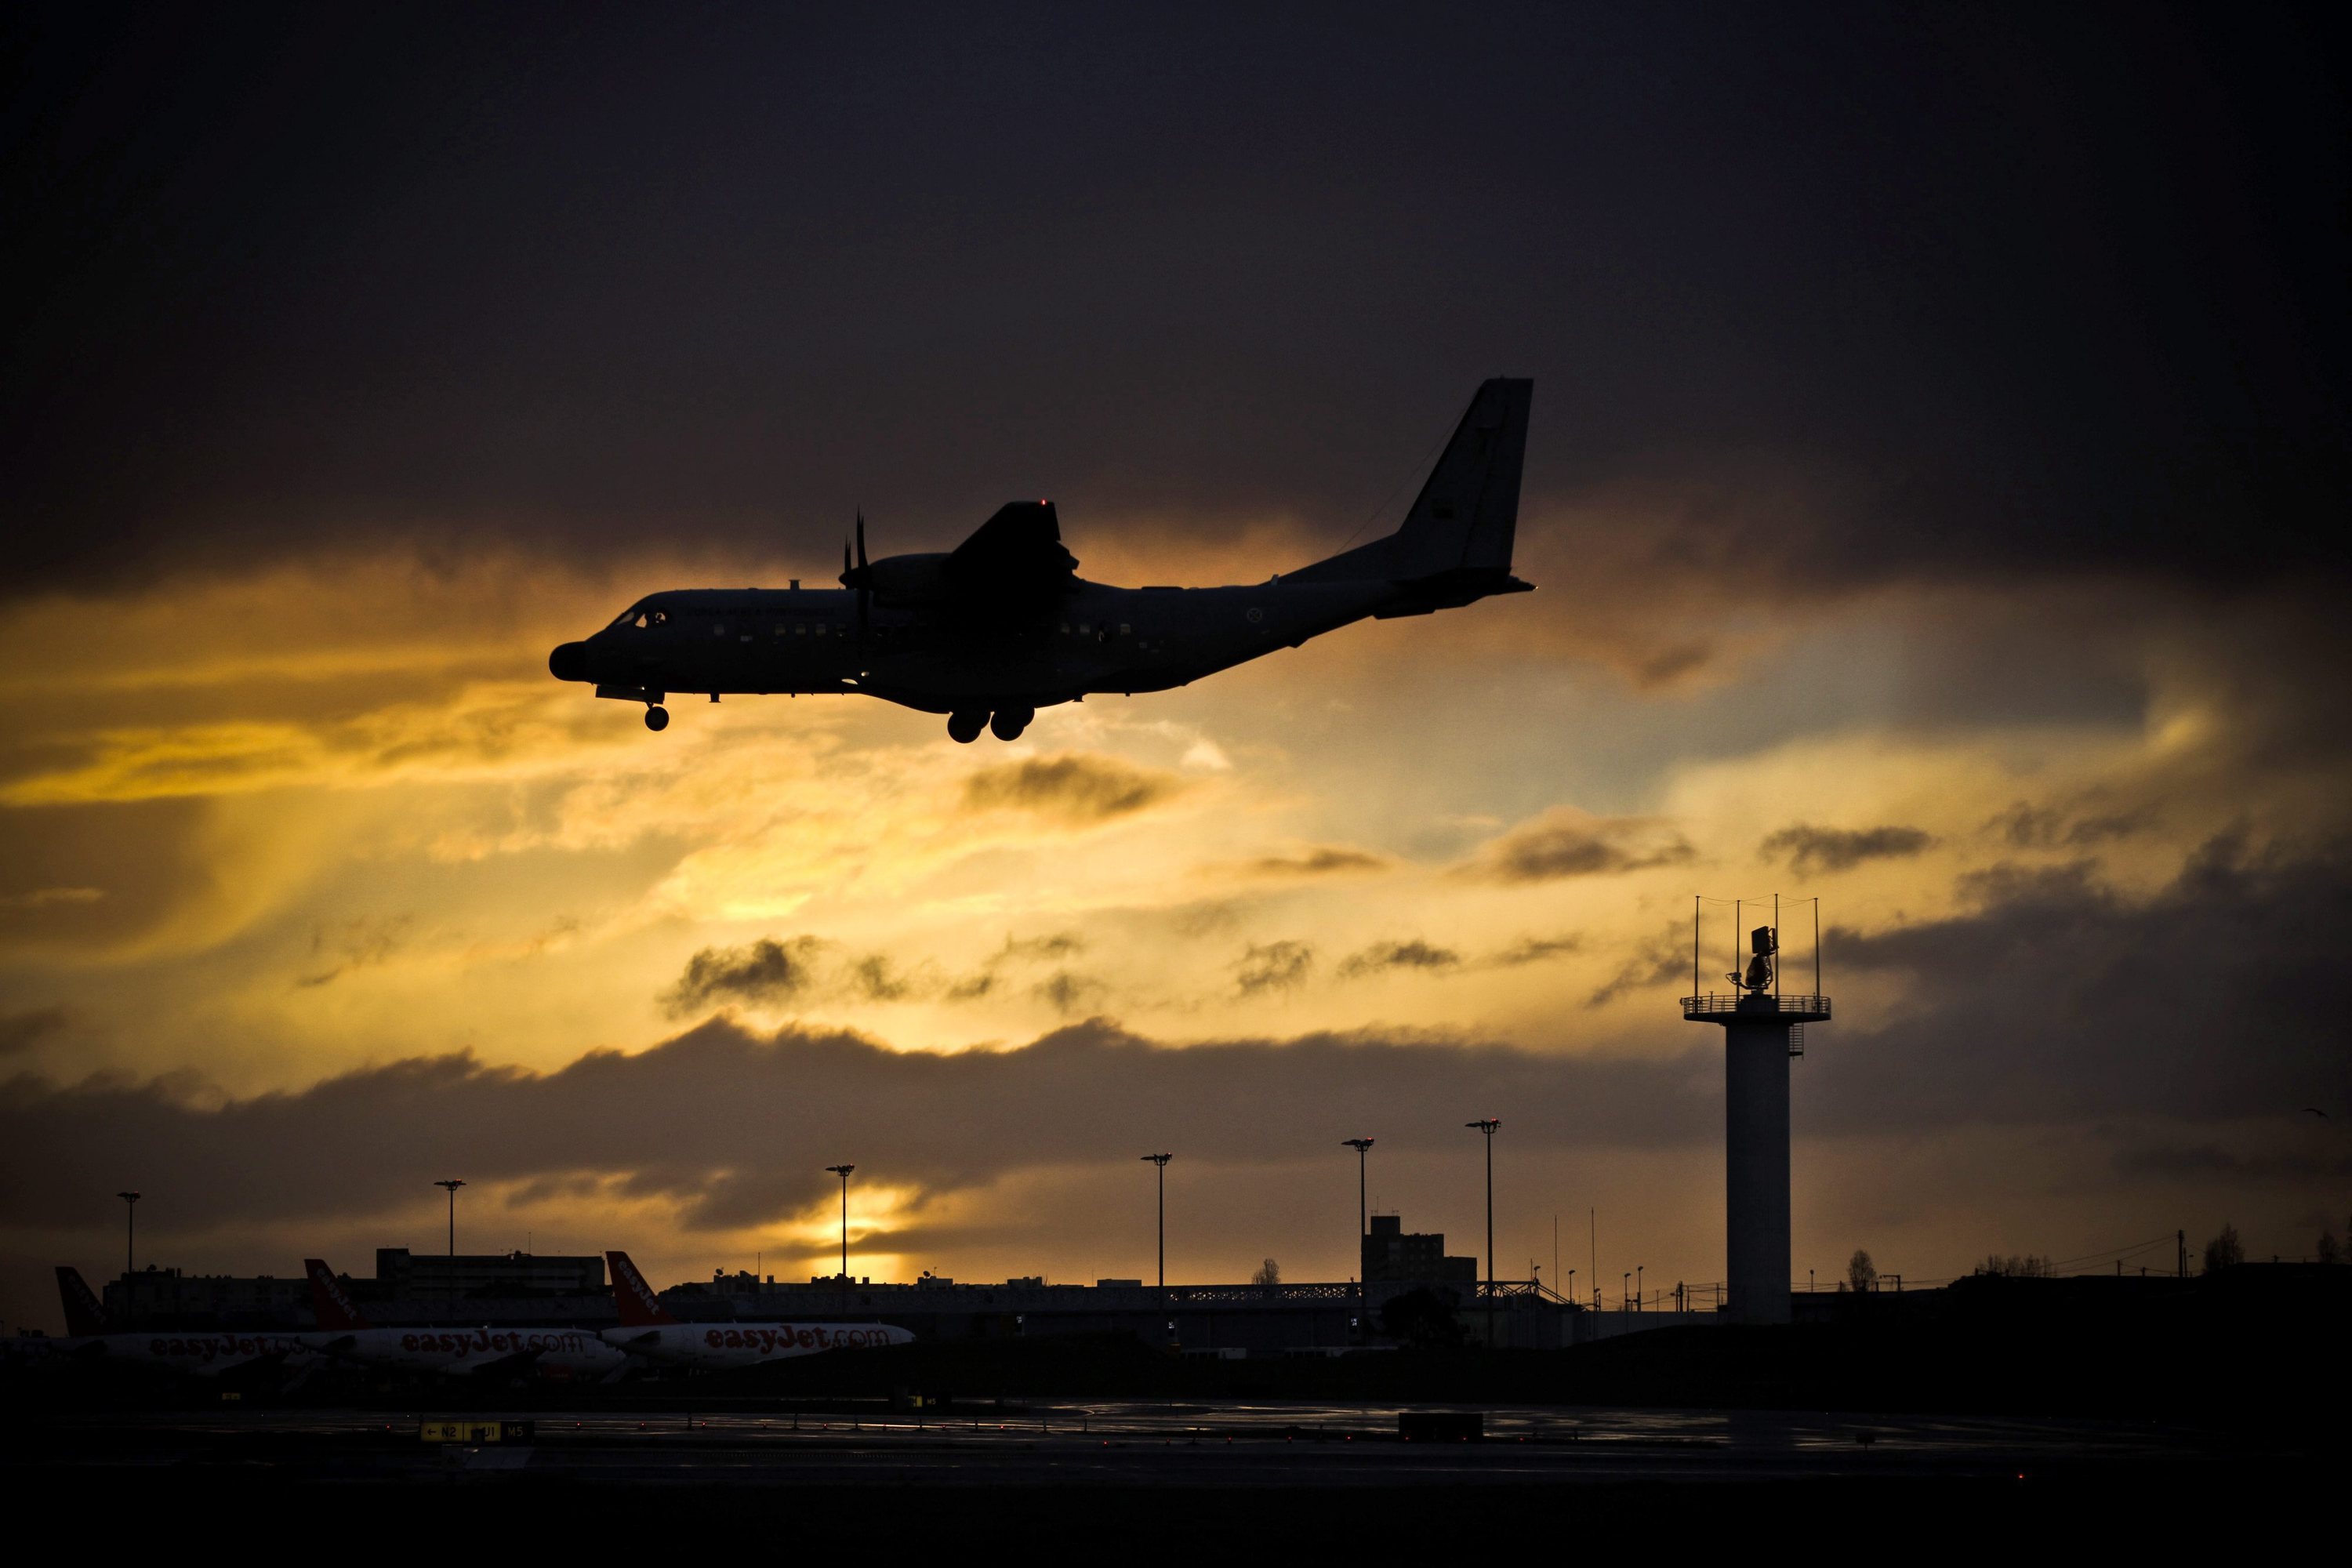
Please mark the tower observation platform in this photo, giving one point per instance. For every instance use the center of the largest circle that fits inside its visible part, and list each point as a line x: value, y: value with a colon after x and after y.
x: 1763, y: 1029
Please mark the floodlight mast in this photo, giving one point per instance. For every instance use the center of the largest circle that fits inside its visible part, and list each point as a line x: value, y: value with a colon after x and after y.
x: 1161, y: 1162
x: 1488, y: 1124
x: 843, y: 1171
x: 451, y: 1185
x: 1362, y: 1146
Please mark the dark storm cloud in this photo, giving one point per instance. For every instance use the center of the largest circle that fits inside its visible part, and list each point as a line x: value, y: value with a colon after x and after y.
x: 358, y: 943
x: 1068, y: 993
x: 1077, y: 788
x: 1562, y: 843
x: 877, y: 979
x: 21, y: 1032
x: 1317, y: 860
x: 2210, y: 1160
x: 1272, y: 966
x: 2057, y: 999
x: 787, y: 974
x: 2028, y: 826
x: 2031, y: 290
x: 1809, y: 848
x: 1383, y: 956
x: 98, y: 875
x: 727, y: 1123
x: 1661, y: 962
x: 1019, y: 953
x: 765, y: 974
x: 1536, y: 950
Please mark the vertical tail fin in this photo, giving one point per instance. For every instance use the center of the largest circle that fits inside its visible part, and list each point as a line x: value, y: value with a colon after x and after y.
x: 640, y: 1308
x: 1467, y: 516
x: 329, y: 1301
x: 84, y: 1315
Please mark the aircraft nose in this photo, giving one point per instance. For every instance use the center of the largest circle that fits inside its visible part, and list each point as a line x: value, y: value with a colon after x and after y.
x: 569, y: 661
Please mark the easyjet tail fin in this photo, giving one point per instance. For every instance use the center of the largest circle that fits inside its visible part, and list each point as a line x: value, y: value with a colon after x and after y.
x: 329, y: 1301
x: 84, y: 1315
x: 640, y: 1308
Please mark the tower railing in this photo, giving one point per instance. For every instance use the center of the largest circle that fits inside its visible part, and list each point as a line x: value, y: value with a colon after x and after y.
x: 1721, y: 1006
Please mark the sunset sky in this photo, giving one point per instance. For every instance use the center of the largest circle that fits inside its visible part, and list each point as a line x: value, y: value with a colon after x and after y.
x: 1936, y: 499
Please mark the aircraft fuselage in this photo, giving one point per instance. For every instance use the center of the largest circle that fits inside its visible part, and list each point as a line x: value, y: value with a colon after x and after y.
x: 945, y: 659
x: 1002, y: 625
x: 713, y: 1347
x: 465, y: 1352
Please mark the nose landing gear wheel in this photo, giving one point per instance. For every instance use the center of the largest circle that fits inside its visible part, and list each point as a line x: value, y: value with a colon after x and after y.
x: 1008, y: 723
x: 656, y: 717
x: 965, y: 728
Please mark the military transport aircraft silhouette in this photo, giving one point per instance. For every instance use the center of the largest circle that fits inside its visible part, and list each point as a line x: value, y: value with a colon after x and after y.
x: 1002, y: 625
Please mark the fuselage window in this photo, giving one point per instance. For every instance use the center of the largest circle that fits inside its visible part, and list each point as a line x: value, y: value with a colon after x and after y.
x: 820, y: 629
x: 1126, y: 631
x: 1085, y: 630
x: 719, y: 629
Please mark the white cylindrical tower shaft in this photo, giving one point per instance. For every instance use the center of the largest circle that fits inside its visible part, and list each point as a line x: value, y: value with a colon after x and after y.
x: 1756, y: 1168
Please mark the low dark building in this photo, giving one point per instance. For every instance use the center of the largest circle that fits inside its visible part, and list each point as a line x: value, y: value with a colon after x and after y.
x: 1391, y: 1253
x: 165, y: 1298
x: 404, y: 1276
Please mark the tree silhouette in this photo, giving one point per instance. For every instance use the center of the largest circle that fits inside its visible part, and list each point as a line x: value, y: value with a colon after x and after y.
x: 1860, y: 1272
x: 2329, y: 1252
x: 2225, y: 1250
x: 1269, y: 1273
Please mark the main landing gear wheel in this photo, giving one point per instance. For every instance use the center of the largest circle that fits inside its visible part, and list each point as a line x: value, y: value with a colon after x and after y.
x: 656, y: 717
x: 1008, y: 723
x: 965, y: 728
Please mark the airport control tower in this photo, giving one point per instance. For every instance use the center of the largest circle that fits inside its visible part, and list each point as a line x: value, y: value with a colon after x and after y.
x: 1763, y: 1030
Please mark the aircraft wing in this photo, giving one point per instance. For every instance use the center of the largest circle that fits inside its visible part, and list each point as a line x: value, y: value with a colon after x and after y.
x: 1018, y: 552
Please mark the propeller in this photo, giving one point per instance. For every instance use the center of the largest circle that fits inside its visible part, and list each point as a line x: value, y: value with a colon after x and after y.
x: 861, y: 578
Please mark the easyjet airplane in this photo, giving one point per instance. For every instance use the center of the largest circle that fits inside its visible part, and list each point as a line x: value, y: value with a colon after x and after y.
x: 647, y: 1330
x: 345, y: 1335
x: 196, y: 1354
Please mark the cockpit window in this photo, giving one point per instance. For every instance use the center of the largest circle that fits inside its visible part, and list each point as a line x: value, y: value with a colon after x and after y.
x: 640, y: 615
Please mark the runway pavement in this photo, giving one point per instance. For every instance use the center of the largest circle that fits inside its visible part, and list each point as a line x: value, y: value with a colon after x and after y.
x: 1123, y: 1443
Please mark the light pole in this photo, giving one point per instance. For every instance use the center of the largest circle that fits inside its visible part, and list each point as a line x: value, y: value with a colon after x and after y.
x: 1624, y: 1289
x: 1486, y: 1124
x: 843, y: 1171
x: 1637, y: 1287
x: 1362, y: 1146
x: 452, y: 1185
x: 1160, y: 1161
x: 129, y: 1233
